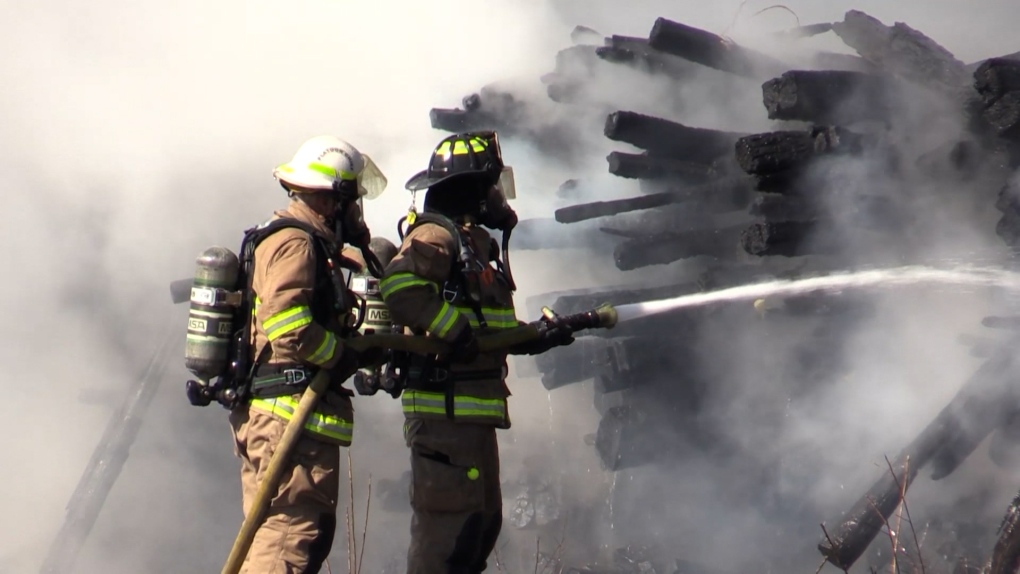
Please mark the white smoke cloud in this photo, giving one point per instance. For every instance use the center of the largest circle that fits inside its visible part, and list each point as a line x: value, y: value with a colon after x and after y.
x: 138, y: 134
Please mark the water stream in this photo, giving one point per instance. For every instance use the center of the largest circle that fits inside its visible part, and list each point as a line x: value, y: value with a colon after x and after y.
x: 908, y: 275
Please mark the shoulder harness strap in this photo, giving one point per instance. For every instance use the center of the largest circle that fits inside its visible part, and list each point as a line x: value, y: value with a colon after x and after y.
x: 462, y: 260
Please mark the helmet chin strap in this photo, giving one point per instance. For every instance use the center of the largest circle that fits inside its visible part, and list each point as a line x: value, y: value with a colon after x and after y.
x: 505, y: 245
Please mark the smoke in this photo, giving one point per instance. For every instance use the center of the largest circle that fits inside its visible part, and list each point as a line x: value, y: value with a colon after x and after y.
x: 136, y: 135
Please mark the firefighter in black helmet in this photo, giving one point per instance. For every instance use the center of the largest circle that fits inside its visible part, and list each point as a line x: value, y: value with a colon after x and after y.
x: 449, y: 280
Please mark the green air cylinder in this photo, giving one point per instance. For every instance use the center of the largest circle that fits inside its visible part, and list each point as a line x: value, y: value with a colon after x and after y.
x: 377, y: 315
x: 211, y: 316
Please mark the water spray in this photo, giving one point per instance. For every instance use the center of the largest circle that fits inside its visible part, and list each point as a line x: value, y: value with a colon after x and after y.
x: 907, y: 275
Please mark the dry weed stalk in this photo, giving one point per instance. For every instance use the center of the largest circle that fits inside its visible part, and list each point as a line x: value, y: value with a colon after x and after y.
x: 906, y: 508
x: 499, y: 561
x: 892, y: 532
x: 356, y: 560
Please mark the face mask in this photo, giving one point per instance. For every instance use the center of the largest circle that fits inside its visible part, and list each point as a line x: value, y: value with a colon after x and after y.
x: 496, y: 212
x: 353, y: 229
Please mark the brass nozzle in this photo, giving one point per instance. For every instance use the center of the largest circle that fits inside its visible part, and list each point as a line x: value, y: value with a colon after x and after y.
x: 607, y: 316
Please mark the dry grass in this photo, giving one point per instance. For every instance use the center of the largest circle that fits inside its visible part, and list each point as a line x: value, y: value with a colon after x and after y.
x: 355, y: 559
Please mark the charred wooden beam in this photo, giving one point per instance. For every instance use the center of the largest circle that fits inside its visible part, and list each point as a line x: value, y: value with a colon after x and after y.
x: 670, y: 247
x: 637, y: 53
x: 710, y: 50
x: 576, y: 61
x: 458, y: 120
x: 786, y: 238
x: 786, y: 152
x: 595, y: 209
x: 584, y: 35
x: 570, y: 189
x: 567, y: 365
x: 979, y: 407
x: 724, y: 193
x: 1008, y: 199
x: 628, y: 361
x: 828, y: 97
x: 1006, y: 553
x: 973, y: 66
x: 622, y: 441
x: 901, y: 50
x: 786, y: 181
x: 546, y: 233
x: 645, y: 166
x: 775, y: 152
x: 563, y: 90
x: 777, y: 207
x: 488, y: 109
x: 1004, y: 116
x: 806, y: 31
x: 666, y: 138
x: 680, y: 217
x: 995, y: 78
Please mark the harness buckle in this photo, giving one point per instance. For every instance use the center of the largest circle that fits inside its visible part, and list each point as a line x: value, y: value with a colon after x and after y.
x: 450, y: 293
x: 294, y: 376
x: 440, y: 375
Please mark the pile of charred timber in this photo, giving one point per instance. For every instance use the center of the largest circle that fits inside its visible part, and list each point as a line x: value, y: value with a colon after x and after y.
x: 859, y: 143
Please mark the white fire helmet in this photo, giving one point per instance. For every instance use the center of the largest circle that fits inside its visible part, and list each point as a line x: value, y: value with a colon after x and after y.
x: 324, y: 160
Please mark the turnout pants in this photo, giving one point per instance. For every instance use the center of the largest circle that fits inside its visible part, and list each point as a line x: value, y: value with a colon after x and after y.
x: 297, y: 534
x: 455, y: 496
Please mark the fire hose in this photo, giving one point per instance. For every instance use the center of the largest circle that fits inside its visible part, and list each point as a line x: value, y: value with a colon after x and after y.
x: 603, y: 317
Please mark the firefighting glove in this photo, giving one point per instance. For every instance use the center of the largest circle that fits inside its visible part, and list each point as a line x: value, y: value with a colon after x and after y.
x: 345, y: 367
x: 550, y: 335
x: 366, y: 382
x: 464, y: 349
x: 351, y: 360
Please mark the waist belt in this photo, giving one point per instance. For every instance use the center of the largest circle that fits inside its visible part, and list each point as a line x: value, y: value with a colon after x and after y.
x: 279, y: 380
x: 443, y: 375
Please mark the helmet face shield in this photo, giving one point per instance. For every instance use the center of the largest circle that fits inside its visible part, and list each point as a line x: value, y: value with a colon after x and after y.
x: 505, y: 186
x: 371, y: 181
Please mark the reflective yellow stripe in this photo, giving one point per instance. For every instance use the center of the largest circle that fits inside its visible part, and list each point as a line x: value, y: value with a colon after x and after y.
x: 325, y: 350
x: 423, y: 402
x: 398, y: 281
x: 286, y: 321
x: 326, y: 425
x: 495, y: 317
x: 461, y: 148
x: 444, y: 320
x: 323, y: 169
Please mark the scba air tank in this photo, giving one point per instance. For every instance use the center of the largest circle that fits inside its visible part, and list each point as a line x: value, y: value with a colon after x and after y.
x: 377, y: 315
x: 211, y: 316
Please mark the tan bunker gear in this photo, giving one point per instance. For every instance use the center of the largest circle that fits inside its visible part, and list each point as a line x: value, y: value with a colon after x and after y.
x: 298, y: 329
x: 452, y: 411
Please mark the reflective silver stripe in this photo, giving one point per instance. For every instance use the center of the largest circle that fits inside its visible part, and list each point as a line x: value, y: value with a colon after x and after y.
x: 398, y: 281
x: 445, y: 319
x: 495, y: 317
x: 325, y: 351
x: 326, y: 425
x: 286, y: 321
x: 423, y: 402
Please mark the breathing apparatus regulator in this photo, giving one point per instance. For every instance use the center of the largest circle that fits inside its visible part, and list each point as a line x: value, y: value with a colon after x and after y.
x: 373, y: 318
x: 475, y: 154
x: 219, y: 340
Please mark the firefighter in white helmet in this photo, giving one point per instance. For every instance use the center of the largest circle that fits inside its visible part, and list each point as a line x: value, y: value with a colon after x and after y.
x: 299, y: 325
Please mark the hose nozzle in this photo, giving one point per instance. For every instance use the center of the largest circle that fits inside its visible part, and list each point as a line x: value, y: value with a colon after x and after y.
x: 602, y: 317
x: 607, y: 316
